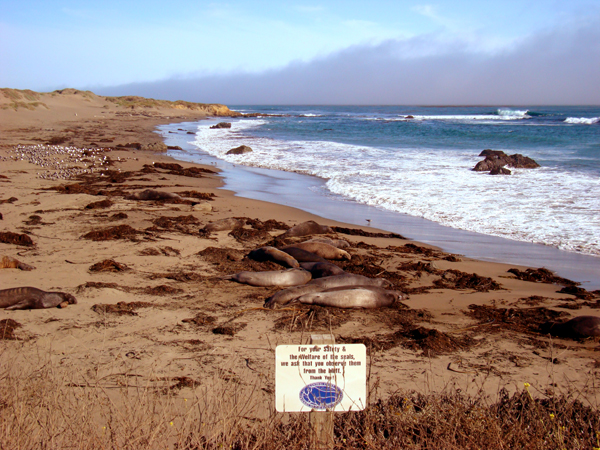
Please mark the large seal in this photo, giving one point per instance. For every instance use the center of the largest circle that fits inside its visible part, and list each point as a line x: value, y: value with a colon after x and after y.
x: 368, y: 297
x: 322, y: 269
x: 576, y: 328
x: 307, y: 228
x: 339, y: 243
x: 151, y: 194
x: 322, y: 284
x: 33, y: 298
x: 302, y: 255
x: 8, y: 262
x: 323, y: 250
x: 225, y: 224
x: 274, y: 255
x: 282, y: 278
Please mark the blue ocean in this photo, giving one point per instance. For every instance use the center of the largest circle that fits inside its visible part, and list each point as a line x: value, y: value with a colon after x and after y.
x: 418, y: 160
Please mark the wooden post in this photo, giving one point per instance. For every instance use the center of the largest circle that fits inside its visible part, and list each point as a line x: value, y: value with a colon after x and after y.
x: 321, y: 422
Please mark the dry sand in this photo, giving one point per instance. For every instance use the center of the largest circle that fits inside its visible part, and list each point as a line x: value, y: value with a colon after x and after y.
x: 163, y: 313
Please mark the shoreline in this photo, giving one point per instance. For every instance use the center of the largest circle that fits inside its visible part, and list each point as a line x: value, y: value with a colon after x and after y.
x: 283, y: 187
x: 153, y: 304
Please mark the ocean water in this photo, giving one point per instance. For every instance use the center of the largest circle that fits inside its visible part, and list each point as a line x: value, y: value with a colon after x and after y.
x: 421, y: 165
x: 418, y: 160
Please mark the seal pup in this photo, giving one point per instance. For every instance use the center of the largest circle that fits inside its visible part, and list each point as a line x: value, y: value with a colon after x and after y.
x: 323, y: 250
x: 284, y: 296
x: 302, y: 255
x: 339, y: 243
x: 322, y: 269
x: 576, y: 328
x: 151, y: 194
x: 33, y: 298
x: 274, y: 255
x: 8, y: 262
x: 307, y: 228
x: 225, y: 224
x: 283, y: 278
x: 367, y: 297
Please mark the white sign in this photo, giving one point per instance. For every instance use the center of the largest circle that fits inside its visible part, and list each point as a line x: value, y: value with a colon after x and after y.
x: 320, y: 377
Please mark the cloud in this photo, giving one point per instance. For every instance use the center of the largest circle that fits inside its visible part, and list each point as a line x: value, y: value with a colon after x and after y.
x: 558, y: 66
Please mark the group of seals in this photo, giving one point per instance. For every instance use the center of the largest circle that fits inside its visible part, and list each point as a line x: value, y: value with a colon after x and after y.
x: 33, y: 298
x: 313, y: 280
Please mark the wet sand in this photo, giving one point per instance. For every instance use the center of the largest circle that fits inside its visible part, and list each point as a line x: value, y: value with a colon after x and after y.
x: 152, y: 301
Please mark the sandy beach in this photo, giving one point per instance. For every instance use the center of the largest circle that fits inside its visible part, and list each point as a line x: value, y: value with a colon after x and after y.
x: 152, y: 304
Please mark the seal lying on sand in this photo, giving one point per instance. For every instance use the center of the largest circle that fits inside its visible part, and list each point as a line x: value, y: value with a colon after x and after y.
x: 576, y: 328
x: 33, y: 298
x: 307, y: 228
x: 322, y: 284
x: 151, y: 194
x: 225, y: 224
x: 302, y: 255
x: 323, y: 250
x: 274, y: 255
x: 368, y: 297
x: 8, y: 262
x: 322, y: 269
x: 283, y: 278
x: 339, y: 243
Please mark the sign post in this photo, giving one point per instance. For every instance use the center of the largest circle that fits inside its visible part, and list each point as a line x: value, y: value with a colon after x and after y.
x: 321, y: 378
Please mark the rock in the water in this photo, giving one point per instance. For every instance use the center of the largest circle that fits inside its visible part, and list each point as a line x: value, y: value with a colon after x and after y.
x: 500, y: 171
x: 495, y: 160
x: 239, y: 150
x: 221, y: 125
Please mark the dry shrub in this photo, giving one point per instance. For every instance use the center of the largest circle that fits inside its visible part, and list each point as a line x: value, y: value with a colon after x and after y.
x: 44, y: 405
x: 7, y: 329
x: 7, y: 237
x: 541, y: 275
x: 99, y: 205
x: 112, y: 233
x: 359, y: 232
x: 108, y: 265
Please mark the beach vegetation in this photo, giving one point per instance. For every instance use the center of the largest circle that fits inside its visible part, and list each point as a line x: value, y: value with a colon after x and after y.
x: 47, y: 405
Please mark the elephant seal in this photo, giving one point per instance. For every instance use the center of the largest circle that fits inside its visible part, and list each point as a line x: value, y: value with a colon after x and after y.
x: 322, y: 269
x: 339, y: 243
x: 323, y: 250
x: 283, y: 278
x: 307, y: 228
x: 8, y: 262
x: 302, y: 255
x: 225, y: 224
x: 151, y: 194
x: 33, y: 298
x: 576, y: 328
x: 274, y: 255
x: 368, y: 297
x: 322, y: 284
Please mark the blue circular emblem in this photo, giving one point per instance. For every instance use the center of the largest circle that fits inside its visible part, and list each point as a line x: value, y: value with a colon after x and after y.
x: 321, y: 395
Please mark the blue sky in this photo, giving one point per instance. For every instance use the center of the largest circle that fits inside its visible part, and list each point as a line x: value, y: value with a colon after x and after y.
x: 111, y: 45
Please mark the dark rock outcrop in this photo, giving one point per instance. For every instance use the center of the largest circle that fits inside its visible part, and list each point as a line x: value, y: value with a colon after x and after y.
x: 221, y: 125
x: 239, y: 150
x: 495, y: 160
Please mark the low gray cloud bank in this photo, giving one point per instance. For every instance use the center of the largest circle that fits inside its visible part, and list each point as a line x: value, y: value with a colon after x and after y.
x: 560, y: 66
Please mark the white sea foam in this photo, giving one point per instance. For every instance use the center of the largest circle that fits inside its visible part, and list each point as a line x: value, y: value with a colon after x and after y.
x: 582, y: 120
x: 505, y: 116
x: 547, y: 206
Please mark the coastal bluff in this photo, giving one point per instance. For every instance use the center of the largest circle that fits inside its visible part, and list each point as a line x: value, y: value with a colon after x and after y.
x: 15, y: 99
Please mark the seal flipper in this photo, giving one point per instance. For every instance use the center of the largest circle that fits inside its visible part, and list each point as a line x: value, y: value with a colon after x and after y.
x: 23, y: 304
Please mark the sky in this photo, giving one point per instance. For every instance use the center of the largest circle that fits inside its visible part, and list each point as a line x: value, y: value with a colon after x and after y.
x: 509, y: 52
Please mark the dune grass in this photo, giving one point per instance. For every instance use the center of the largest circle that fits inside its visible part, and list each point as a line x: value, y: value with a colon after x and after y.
x: 47, y: 406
